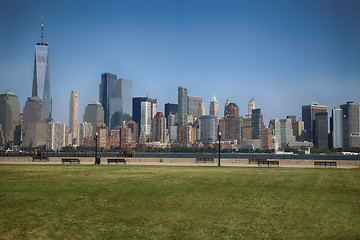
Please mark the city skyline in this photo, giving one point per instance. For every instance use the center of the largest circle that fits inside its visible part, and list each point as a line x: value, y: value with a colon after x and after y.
x: 284, y: 55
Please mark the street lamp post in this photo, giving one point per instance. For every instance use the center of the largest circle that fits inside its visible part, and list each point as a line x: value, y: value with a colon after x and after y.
x: 219, y: 134
x: 97, y: 161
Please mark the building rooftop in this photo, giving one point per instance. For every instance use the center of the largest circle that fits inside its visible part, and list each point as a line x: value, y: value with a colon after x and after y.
x: 214, y: 98
x: 8, y: 92
x: 34, y: 99
x: 94, y: 103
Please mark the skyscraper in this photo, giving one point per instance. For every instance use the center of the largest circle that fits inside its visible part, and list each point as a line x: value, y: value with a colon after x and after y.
x: 56, y: 136
x: 232, y: 122
x: 231, y: 109
x: 182, y: 107
x: 18, y: 133
x: 137, y: 110
x: 232, y: 129
x: 133, y: 126
x: 94, y: 114
x: 297, y: 127
x: 256, y: 123
x: 85, y: 130
x: 41, y: 78
x: 186, y: 135
x: 336, y: 127
x: 246, y: 127
x: 74, y: 113
x: 170, y: 108
x: 321, y: 130
x: 214, y: 107
x: 115, y: 97
x: 283, y: 132
x: 9, y: 114
x: 172, y: 127
x: 2, y: 140
x: 195, y: 107
x: 202, y: 108
x: 159, y: 128
x: 351, y: 124
x: 103, y: 140
x: 251, y: 106
x: 107, y: 80
x: 266, y: 142
x: 308, y: 116
x: 145, y: 122
x: 120, y: 103
x: 208, y: 129
x: 34, y: 122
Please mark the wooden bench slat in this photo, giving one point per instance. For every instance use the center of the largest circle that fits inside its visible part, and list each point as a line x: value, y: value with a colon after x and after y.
x: 267, y: 163
x: 325, y: 164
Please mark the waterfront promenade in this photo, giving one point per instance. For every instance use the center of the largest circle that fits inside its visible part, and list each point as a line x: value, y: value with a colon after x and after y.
x: 185, y: 161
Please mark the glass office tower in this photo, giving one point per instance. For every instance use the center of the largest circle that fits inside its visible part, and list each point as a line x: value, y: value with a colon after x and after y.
x: 182, y: 106
x: 107, y: 80
x: 120, y: 102
x: 256, y: 123
x: 195, y: 106
x: 41, y: 78
x: 208, y: 127
x: 336, y: 127
x: 145, y: 121
x: 321, y: 130
x: 170, y: 108
x: 115, y: 97
x: 283, y: 132
x: 308, y: 116
x: 137, y: 110
x: 9, y: 114
x: 351, y: 124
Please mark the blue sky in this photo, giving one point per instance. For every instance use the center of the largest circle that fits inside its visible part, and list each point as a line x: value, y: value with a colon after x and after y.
x: 284, y: 54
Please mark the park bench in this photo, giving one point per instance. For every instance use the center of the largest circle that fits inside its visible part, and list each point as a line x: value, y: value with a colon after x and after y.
x: 267, y: 163
x: 256, y: 160
x: 70, y: 160
x: 325, y: 164
x: 273, y: 163
x: 252, y: 160
x: 204, y: 159
x: 116, y: 160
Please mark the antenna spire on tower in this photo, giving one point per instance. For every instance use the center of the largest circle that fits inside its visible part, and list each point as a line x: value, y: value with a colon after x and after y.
x: 42, y: 29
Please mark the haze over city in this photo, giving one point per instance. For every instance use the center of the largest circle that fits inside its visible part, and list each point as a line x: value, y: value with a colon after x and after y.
x: 284, y: 54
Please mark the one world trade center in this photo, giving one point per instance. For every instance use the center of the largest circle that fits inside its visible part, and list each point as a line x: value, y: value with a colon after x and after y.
x: 41, y: 79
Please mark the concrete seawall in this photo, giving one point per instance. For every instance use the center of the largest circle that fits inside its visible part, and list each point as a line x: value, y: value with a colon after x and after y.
x: 181, y: 161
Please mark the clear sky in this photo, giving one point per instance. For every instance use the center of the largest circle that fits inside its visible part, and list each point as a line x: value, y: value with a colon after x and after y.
x: 284, y: 54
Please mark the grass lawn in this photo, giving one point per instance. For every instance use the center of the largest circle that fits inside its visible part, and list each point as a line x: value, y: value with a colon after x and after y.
x: 165, y: 202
